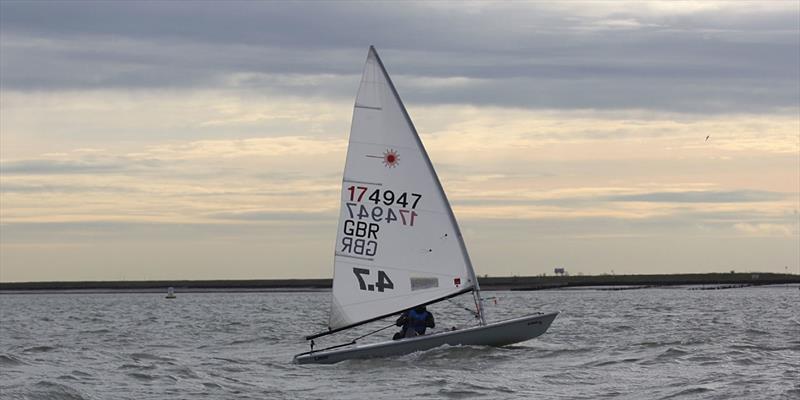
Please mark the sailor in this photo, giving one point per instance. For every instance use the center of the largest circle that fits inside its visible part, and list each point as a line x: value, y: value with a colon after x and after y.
x: 414, y: 322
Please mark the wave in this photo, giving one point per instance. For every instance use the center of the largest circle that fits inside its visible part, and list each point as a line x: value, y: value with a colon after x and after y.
x: 142, y: 377
x: 604, y: 363
x: 81, y: 373
x: 228, y: 360
x: 680, y: 356
x: 38, y: 349
x: 550, y: 353
x: 458, y: 393
x: 621, y: 328
x: 672, y: 353
x: 100, y: 331
x: 669, y: 354
x: 183, y: 372
x: 757, y: 332
x: 455, y: 353
x: 457, y: 389
x: 211, y: 385
x: 8, y: 360
x: 687, y: 393
x: 746, y: 362
x: 153, y: 357
x: 52, y: 390
x: 650, y: 344
x: 705, y: 359
x: 137, y: 366
x: 247, y: 341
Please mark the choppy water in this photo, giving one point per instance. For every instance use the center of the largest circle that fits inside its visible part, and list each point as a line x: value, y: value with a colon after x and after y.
x: 637, y: 344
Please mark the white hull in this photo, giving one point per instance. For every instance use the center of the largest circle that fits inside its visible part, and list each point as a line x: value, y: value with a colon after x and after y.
x: 495, y: 334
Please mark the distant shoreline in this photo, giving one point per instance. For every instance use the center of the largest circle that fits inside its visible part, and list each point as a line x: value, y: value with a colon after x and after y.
x: 723, y: 280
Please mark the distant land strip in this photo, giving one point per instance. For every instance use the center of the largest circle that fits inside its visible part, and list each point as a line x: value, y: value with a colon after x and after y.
x: 487, y: 283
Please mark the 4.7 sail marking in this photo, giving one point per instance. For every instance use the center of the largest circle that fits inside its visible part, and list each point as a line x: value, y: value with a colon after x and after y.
x: 382, y: 284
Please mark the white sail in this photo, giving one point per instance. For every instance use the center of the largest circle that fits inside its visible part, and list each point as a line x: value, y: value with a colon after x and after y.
x: 398, y: 243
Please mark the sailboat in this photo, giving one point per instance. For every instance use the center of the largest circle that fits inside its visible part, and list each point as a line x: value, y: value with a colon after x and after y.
x: 398, y: 244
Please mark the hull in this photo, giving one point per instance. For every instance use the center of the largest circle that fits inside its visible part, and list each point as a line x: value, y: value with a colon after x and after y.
x: 496, y: 334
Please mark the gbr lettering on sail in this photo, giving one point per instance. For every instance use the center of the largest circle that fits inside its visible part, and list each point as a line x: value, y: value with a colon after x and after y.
x: 368, y: 209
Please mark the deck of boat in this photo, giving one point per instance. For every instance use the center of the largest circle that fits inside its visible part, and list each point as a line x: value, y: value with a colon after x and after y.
x: 495, y: 334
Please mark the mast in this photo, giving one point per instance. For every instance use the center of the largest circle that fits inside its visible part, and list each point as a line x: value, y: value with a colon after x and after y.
x: 476, y: 288
x: 476, y: 295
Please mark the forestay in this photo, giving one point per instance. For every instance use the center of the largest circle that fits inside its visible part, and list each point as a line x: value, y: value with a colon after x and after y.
x: 398, y: 243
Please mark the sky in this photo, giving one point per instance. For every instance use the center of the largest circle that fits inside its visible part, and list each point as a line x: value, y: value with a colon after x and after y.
x: 177, y: 140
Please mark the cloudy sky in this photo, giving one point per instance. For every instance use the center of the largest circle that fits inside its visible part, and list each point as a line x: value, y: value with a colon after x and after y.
x: 161, y: 140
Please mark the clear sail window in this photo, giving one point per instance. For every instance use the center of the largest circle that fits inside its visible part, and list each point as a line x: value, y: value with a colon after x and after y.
x: 423, y: 282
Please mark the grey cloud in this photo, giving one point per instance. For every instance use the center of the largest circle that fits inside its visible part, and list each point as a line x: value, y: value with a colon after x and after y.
x: 734, y: 196
x: 680, y: 222
x: 86, y: 165
x: 264, y: 226
x: 273, y: 216
x: 678, y: 95
x: 36, y: 167
x: 94, y: 232
x: 153, y: 169
x: 61, y: 188
x: 519, y: 55
x: 317, y: 25
x: 96, y: 62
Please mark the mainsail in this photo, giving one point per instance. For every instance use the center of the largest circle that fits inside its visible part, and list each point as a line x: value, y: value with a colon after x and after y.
x: 398, y: 243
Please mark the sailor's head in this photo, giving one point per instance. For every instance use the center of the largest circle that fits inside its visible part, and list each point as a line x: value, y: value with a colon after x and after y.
x: 420, y: 309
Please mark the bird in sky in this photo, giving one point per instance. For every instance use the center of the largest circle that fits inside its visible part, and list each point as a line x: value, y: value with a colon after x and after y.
x: 707, y: 137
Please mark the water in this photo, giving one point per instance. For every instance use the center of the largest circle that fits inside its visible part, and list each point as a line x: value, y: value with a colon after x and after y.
x: 636, y: 344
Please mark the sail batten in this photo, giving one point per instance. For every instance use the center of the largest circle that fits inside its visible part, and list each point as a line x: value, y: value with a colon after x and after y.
x: 398, y: 243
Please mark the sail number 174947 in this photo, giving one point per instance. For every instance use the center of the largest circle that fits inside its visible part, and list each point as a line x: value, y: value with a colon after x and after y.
x: 387, y: 197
